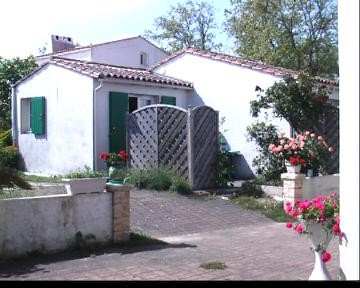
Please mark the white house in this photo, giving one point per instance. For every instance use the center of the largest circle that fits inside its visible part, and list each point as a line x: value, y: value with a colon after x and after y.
x: 227, y: 84
x: 68, y: 111
x: 135, y: 52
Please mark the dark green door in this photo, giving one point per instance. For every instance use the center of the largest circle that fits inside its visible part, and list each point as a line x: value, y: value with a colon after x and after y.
x: 118, y: 107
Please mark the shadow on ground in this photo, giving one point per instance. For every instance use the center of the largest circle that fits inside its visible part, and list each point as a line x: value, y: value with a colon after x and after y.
x: 27, y: 265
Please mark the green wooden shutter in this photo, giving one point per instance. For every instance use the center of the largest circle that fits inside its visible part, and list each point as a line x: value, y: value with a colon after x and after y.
x: 118, y: 107
x: 37, y: 115
x: 168, y: 100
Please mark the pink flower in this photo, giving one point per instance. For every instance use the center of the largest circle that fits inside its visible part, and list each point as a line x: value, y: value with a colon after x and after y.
x: 289, y: 225
x: 302, y: 144
x: 300, y: 137
x: 286, y: 146
x: 319, y: 205
x: 293, y: 146
x: 271, y: 147
x: 331, y: 149
x: 312, y: 135
x: 279, y: 148
x: 307, y: 133
x: 320, y: 138
x: 294, y: 213
x: 325, y: 256
x: 336, y: 228
x: 322, y: 218
x: 342, y: 234
x: 337, y: 219
x: 299, y: 228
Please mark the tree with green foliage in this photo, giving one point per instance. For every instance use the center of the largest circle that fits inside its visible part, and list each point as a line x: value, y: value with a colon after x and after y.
x: 300, y: 101
x: 186, y: 25
x: 11, y: 70
x: 299, y: 35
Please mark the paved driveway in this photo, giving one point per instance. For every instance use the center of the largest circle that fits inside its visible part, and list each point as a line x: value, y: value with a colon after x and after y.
x: 197, y: 230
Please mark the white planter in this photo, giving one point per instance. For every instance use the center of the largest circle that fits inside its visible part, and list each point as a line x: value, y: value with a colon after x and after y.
x: 85, y: 185
x: 291, y: 168
x: 318, y: 235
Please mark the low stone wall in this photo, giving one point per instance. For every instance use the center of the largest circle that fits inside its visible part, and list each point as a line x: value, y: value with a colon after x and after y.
x: 299, y: 187
x: 321, y: 185
x: 49, y: 224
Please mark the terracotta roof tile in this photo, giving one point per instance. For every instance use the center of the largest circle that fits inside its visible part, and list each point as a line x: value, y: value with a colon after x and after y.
x: 105, y: 71
x: 249, y: 64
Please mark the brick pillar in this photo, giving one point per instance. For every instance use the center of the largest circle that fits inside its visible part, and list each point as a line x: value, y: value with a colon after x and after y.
x: 121, y: 211
x: 292, y: 187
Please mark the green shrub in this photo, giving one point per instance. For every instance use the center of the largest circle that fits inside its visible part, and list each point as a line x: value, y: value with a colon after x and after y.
x: 267, y: 164
x: 85, y: 173
x: 180, y: 185
x: 251, y: 188
x: 160, y: 179
x: 9, y: 156
x: 5, y: 138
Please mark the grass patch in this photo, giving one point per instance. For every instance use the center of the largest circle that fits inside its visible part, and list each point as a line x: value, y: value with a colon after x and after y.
x: 213, y: 265
x: 37, y: 179
x: 9, y: 193
x: 266, y: 205
x: 140, y: 239
x: 160, y: 179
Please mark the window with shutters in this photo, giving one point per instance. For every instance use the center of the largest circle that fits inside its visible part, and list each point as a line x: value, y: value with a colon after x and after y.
x: 143, y: 59
x: 168, y: 100
x: 33, y: 115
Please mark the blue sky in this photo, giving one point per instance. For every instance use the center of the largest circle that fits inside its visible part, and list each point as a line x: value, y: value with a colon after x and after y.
x: 27, y: 25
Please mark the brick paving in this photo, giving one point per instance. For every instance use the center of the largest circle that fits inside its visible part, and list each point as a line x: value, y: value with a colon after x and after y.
x: 196, y: 230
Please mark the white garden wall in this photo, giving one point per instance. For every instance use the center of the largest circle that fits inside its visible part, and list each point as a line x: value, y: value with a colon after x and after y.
x: 68, y: 141
x: 321, y: 185
x: 49, y: 224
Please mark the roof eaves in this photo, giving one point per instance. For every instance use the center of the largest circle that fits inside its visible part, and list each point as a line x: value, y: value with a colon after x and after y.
x: 29, y: 75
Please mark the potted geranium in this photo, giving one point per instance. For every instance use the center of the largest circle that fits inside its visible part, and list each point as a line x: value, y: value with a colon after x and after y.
x: 319, y: 219
x: 116, y: 164
x: 305, y: 150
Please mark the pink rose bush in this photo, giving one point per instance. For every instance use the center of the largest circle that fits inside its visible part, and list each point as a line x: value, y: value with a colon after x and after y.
x: 321, y: 209
x: 305, y: 149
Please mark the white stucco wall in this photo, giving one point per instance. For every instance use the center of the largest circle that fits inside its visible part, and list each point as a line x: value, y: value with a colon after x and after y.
x: 102, y: 107
x: 349, y: 136
x: 83, y: 54
x: 127, y: 53
x: 228, y: 89
x: 49, y: 224
x: 67, y: 143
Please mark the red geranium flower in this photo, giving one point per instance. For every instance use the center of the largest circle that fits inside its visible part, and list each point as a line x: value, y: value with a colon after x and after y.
x: 325, y: 256
x: 123, y: 154
x: 104, y: 156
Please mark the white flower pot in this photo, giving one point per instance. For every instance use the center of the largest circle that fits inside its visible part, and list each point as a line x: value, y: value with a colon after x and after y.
x: 291, y: 168
x: 319, y: 236
x: 85, y: 185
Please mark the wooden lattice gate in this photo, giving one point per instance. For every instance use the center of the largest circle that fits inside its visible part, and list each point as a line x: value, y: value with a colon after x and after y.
x: 168, y: 136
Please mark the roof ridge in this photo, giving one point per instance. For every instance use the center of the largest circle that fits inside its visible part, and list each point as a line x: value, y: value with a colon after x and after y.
x: 99, y: 44
x: 244, y: 62
x: 99, y: 63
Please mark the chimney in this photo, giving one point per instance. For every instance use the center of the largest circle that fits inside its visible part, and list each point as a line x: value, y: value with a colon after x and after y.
x: 60, y: 43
